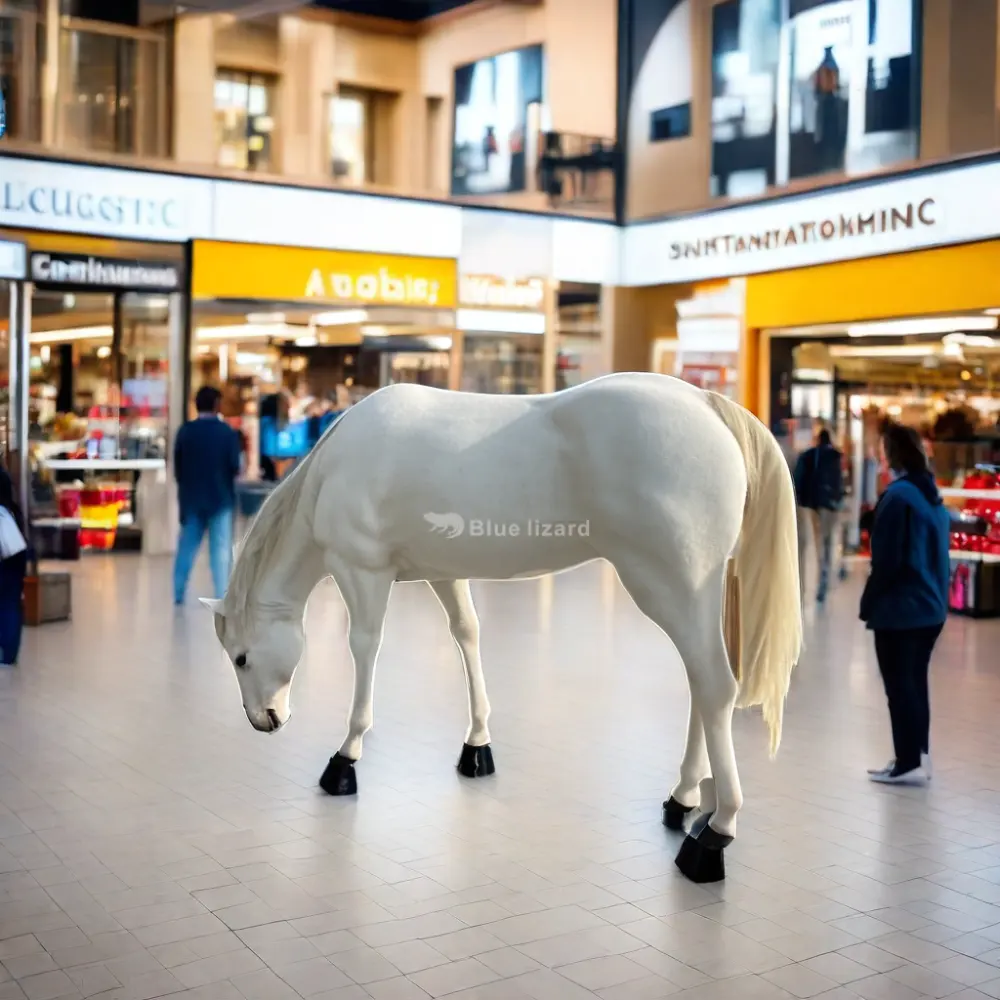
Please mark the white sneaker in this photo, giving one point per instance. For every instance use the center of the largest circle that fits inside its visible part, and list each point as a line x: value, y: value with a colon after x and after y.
x: 882, y: 770
x: 925, y: 765
x: 915, y: 777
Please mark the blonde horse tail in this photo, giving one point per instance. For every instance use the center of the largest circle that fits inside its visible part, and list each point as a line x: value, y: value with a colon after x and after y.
x: 763, y: 615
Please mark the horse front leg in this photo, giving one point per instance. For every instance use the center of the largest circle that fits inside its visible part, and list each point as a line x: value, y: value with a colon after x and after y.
x: 455, y: 596
x: 366, y: 595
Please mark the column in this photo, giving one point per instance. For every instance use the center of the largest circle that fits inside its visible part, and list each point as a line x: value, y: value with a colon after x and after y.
x: 306, y: 54
x: 194, y: 90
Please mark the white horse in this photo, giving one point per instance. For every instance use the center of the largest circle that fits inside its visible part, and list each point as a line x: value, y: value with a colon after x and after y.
x: 684, y: 492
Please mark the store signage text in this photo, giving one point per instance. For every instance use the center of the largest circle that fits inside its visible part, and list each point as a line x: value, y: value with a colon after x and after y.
x: 43, y: 202
x: 104, y: 272
x: 913, y: 215
x: 478, y: 291
x: 381, y: 286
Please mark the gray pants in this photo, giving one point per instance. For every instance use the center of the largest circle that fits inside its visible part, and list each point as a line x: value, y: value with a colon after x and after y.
x: 823, y: 526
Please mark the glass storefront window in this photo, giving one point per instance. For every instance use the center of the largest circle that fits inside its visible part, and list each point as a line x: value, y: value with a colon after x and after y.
x: 504, y: 364
x: 112, y: 89
x: 349, y: 132
x: 244, y: 122
x: 18, y: 70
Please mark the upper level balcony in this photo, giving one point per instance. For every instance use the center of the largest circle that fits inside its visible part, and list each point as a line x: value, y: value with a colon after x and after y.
x: 487, y: 103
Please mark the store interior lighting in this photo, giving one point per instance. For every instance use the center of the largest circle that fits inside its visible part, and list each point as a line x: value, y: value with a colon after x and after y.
x: 885, y: 351
x: 923, y: 327
x: 340, y: 317
x: 75, y: 333
x: 247, y: 331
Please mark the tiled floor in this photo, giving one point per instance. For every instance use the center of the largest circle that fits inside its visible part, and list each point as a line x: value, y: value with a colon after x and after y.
x: 152, y: 844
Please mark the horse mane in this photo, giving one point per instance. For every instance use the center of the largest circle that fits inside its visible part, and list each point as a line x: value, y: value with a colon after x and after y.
x: 265, y: 534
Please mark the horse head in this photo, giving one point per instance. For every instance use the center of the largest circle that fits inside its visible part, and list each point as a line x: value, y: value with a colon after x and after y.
x: 265, y: 650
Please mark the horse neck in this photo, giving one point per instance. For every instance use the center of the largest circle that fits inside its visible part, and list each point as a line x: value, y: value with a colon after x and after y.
x: 296, y: 568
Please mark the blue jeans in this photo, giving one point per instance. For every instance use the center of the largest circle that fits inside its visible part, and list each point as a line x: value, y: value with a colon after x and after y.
x: 220, y: 550
x: 12, y: 572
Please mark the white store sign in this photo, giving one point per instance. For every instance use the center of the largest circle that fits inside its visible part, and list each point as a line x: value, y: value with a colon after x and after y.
x: 927, y: 209
x: 125, y: 204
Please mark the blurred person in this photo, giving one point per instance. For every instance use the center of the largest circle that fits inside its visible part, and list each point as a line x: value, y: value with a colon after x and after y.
x: 207, y: 458
x: 905, y: 602
x: 13, y: 569
x: 819, y: 490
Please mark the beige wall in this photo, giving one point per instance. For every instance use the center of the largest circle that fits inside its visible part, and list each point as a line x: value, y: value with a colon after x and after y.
x: 960, y: 106
x: 312, y: 56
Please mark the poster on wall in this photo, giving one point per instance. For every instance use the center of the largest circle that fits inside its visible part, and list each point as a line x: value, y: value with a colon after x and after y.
x: 494, y: 98
x: 826, y: 86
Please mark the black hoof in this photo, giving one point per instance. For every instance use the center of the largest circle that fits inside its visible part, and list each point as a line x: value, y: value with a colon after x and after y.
x: 700, y: 857
x: 339, y: 777
x: 674, y: 814
x: 476, y: 762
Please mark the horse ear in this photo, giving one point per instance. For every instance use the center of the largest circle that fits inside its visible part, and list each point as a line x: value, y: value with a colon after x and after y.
x: 212, y: 604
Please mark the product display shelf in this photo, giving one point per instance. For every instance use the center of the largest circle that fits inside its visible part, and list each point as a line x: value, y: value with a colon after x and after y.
x: 974, y: 591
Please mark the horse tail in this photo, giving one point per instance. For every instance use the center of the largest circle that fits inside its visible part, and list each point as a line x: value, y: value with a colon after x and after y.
x: 764, y: 629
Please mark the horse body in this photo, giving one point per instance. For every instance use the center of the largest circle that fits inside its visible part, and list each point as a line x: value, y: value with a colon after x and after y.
x: 684, y: 492
x: 539, y: 484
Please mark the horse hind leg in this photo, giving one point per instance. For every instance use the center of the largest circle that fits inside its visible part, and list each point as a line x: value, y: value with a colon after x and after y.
x: 695, y: 768
x: 693, y: 621
x: 455, y: 596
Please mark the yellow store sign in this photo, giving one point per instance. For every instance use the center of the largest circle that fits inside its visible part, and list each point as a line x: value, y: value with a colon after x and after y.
x: 298, y: 274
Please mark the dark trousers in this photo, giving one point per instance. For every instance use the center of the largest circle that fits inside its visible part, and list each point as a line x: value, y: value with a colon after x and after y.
x: 12, y: 572
x: 904, y: 658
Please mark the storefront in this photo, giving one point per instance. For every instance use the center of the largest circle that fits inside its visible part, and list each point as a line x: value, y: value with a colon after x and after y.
x: 305, y: 332
x: 99, y: 324
x: 871, y: 302
x: 505, y: 335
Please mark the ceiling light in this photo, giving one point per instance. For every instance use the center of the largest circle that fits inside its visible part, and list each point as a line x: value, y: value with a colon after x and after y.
x: 246, y: 331
x: 104, y: 351
x: 265, y: 317
x: 308, y: 341
x: 885, y: 351
x: 917, y: 327
x: 340, y: 317
x: 76, y: 333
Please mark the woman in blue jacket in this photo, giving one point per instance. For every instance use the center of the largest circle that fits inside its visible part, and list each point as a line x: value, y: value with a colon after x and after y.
x: 905, y: 602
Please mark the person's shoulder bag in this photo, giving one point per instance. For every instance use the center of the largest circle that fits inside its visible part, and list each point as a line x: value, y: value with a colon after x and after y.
x: 12, y: 542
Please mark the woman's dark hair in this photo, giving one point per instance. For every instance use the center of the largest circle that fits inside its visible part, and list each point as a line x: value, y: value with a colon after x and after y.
x: 904, y: 450
x: 207, y: 399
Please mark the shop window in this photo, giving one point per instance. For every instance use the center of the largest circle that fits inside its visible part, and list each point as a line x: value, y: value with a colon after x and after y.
x: 19, y: 84
x: 350, y: 137
x: 670, y: 123
x: 360, y: 131
x: 112, y: 87
x: 244, y: 122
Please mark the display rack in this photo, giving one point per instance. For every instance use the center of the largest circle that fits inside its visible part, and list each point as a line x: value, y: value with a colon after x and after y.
x: 974, y: 590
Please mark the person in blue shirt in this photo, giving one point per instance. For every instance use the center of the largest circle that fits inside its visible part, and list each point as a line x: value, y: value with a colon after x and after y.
x: 207, y: 458
x: 819, y: 491
x: 905, y: 602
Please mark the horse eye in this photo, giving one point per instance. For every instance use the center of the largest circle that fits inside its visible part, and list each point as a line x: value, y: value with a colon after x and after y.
x: 241, y: 660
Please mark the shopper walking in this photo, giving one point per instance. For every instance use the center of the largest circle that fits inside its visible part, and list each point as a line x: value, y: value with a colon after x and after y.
x: 207, y: 456
x: 13, y: 568
x: 819, y: 490
x: 905, y: 601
